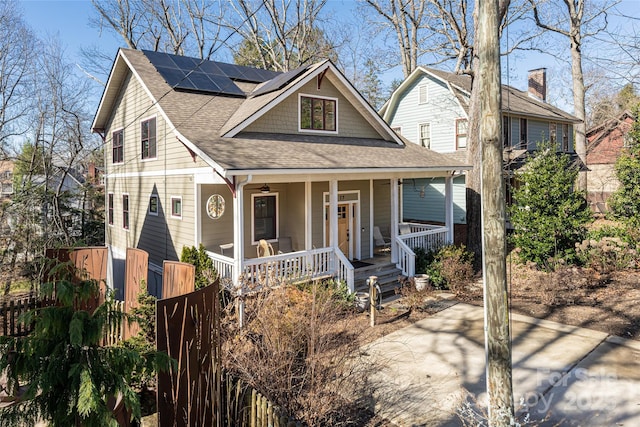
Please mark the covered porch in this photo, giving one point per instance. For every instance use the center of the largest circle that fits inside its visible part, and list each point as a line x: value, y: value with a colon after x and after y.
x: 318, y: 228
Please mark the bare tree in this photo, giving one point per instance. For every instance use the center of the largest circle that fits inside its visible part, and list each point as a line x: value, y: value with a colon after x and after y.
x: 279, y: 35
x: 574, y: 21
x: 191, y: 27
x: 16, y: 73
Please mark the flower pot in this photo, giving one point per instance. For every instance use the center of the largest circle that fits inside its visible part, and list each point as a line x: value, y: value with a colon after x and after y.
x: 362, y: 301
x: 421, y: 281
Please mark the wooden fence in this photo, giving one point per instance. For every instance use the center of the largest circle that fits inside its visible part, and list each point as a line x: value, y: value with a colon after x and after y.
x: 11, y: 312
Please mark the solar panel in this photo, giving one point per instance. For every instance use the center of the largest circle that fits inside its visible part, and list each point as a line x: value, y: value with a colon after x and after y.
x: 182, y: 72
x: 278, y: 82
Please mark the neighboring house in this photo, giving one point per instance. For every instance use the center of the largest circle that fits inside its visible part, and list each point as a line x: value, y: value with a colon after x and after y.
x: 430, y: 108
x: 6, y: 179
x: 202, y: 152
x: 604, y: 145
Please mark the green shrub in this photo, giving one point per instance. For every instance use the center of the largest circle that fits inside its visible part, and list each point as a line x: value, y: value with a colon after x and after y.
x: 549, y: 217
x: 625, y: 201
x: 609, y: 248
x: 451, y: 267
x: 205, y: 271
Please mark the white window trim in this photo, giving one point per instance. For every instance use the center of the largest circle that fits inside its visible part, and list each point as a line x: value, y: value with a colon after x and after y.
x: 123, y: 145
x: 253, y: 216
x: 426, y: 94
x: 420, y: 134
x: 148, y: 159
x: 127, y: 229
x: 151, y: 196
x: 316, y: 131
x: 112, y: 224
x: 455, y: 131
x: 172, y: 198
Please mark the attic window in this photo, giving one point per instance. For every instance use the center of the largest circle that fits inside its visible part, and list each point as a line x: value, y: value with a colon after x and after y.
x: 117, y: 142
x: 423, y: 96
x: 317, y: 114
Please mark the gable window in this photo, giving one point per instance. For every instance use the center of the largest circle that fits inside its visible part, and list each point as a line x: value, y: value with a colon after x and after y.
x: 317, y: 114
x: 117, y: 142
x: 425, y: 135
x: 125, y: 211
x: 110, y: 208
x: 462, y: 129
x: 553, y: 133
x: 565, y: 137
x: 506, y: 131
x: 176, y: 207
x: 423, y: 94
x: 523, y: 134
x: 153, y: 205
x: 264, y: 216
x: 148, y: 138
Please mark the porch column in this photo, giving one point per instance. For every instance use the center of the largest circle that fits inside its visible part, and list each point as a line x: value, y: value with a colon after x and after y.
x: 238, y: 232
x: 333, y: 214
x: 308, y: 229
x: 448, y: 207
x: 395, y: 206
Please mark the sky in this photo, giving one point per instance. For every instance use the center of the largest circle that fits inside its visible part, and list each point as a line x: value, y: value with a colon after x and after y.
x: 69, y: 20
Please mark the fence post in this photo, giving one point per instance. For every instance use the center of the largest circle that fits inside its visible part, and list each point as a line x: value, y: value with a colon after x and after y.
x: 373, y: 298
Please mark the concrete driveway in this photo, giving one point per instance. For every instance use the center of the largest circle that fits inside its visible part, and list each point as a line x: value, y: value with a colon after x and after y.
x: 424, y: 374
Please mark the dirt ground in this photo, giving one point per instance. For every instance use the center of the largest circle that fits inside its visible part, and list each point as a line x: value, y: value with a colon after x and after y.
x: 574, y: 296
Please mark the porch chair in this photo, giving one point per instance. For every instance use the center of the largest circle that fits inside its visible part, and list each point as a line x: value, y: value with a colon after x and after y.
x: 265, y: 249
x: 284, y: 245
x: 382, y: 243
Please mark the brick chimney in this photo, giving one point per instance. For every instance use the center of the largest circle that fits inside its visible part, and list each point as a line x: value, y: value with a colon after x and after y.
x: 538, y: 84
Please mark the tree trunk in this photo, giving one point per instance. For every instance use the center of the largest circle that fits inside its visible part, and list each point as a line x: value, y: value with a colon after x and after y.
x: 497, y: 334
x: 579, y: 109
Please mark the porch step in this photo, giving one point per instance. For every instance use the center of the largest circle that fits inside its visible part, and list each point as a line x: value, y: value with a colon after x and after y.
x: 387, y: 275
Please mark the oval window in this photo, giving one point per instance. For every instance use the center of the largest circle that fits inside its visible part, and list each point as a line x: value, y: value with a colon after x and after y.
x: 215, y: 206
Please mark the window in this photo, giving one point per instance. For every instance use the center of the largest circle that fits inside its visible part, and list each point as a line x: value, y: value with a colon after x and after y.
x: 462, y: 129
x: 523, y: 134
x: 117, y: 141
x: 110, y: 208
x: 153, y: 205
x: 506, y: 131
x: 423, y: 94
x: 176, y: 207
x: 565, y: 137
x: 215, y: 206
x: 425, y: 135
x: 125, y: 211
x: 148, y: 138
x: 7, y: 188
x: 317, y: 114
x: 553, y: 133
x: 264, y: 217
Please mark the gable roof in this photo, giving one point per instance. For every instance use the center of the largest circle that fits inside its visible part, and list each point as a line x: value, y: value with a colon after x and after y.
x: 213, y: 125
x: 514, y: 101
x: 597, y: 134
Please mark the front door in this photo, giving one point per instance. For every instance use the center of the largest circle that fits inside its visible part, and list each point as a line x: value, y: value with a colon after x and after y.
x: 347, y: 225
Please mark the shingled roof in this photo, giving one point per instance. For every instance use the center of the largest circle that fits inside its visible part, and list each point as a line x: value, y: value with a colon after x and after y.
x: 202, y: 121
x: 514, y: 101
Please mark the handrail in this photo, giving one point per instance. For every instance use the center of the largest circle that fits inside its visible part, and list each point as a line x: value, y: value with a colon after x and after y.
x: 222, y: 264
x: 345, y: 270
x: 406, y: 258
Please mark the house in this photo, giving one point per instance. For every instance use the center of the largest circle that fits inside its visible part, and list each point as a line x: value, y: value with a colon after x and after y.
x: 6, y: 179
x: 430, y: 108
x: 605, y: 142
x: 237, y: 159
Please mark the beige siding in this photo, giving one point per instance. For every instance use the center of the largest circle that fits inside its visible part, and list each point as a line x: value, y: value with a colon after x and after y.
x: 283, y: 118
x: 292, y: 221
x: 163, y: 236
x: 216, y: 232
x: 382, y: 205
x: 317, y: 212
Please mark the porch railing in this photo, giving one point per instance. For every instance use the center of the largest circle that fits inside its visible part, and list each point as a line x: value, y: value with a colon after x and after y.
x: 345, y: 270
x: 427, y: 237
x: 289, y: 267
x: 222, y: 264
